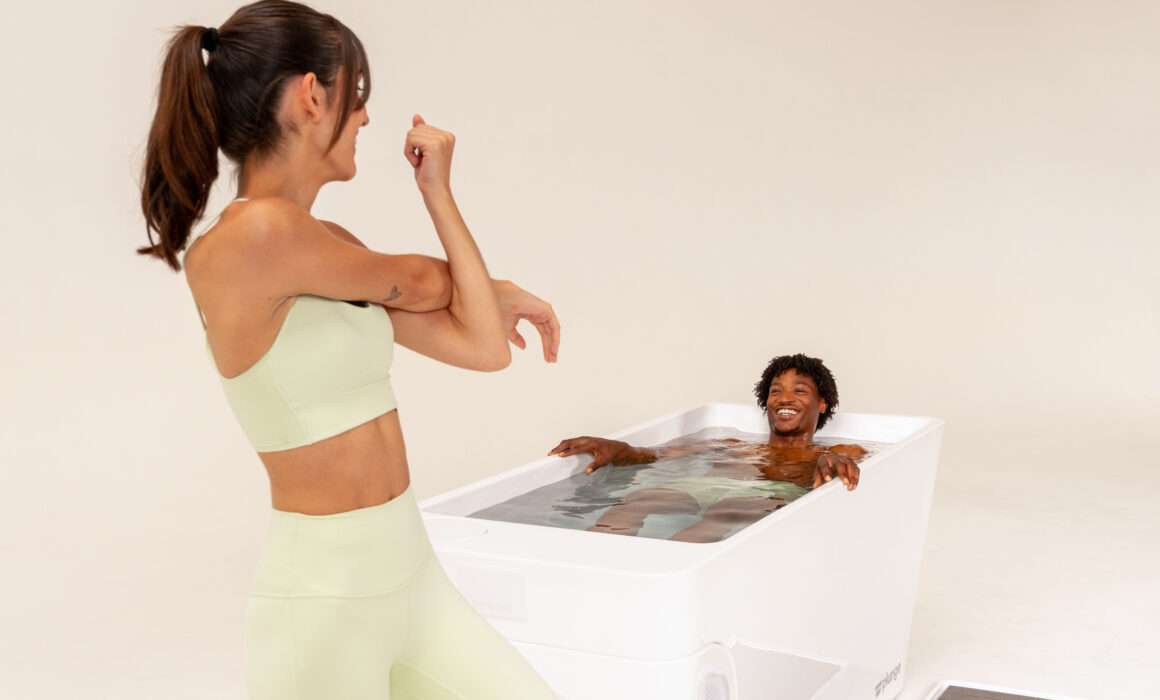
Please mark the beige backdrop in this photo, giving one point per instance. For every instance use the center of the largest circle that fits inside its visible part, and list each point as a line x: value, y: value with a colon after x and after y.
x: 953, y: 203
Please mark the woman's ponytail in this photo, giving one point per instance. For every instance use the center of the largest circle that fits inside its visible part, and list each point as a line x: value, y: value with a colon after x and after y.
x: 181, y: 161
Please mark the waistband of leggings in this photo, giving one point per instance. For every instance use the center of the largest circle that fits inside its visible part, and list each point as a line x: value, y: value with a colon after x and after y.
x: 360, y: 552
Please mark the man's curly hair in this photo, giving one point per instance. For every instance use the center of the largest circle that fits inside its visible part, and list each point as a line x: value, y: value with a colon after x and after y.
x: 811, y: 367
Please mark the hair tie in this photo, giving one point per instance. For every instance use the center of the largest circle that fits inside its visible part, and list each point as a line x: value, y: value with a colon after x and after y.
x: 209, y: 39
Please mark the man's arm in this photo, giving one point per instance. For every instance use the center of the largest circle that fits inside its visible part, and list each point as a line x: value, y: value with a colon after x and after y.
x: 619, y: 454
x: 604, y: 452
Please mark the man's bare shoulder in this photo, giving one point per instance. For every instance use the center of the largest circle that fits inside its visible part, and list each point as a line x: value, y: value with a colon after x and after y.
x: 854, y: 451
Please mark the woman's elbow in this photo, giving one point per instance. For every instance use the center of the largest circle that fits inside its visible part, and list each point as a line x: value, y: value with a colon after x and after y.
x: 497, y: 360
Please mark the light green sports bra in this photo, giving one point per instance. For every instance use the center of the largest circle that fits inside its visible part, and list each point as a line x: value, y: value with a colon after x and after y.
x: 327, y: 371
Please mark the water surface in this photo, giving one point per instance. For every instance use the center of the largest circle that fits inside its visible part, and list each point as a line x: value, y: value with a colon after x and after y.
x: 705, y: 496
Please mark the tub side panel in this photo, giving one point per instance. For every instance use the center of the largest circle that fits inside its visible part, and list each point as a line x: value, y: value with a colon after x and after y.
x: 837, y: 578
x: 604, y: 612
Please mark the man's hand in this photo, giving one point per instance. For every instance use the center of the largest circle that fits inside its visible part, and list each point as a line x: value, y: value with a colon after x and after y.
x: 831, y: 464
x: 603, y: 452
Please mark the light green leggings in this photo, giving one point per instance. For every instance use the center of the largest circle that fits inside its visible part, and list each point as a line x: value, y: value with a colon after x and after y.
x: 354, y: 606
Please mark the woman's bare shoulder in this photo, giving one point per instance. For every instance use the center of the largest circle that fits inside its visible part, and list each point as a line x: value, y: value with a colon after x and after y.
x: 244, y: 249
x: 250, y: 235
x: 262, y: 221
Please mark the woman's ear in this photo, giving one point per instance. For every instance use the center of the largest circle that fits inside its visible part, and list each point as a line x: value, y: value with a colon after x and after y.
x: 308, y: 96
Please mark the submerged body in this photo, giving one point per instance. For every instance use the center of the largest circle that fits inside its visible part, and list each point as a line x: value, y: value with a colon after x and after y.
x: 745, y: 482
x: 709, y: 486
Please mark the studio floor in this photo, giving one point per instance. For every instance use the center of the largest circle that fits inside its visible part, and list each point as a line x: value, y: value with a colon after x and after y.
x: 1042, y: 570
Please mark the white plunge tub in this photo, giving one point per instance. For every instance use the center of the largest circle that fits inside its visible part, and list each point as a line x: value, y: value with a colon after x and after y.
x: 813, y: 602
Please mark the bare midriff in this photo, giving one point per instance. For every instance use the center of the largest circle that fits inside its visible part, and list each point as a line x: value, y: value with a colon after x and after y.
x: 365, y: 466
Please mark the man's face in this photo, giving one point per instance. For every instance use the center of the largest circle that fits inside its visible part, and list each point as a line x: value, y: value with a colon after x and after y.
x: 793, y: 404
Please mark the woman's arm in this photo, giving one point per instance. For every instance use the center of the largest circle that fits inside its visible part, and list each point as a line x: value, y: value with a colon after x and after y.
x: 472, y: 318
x: 432, y: 333
x: 419, y: 328
x: 430, y: 286
x: 281, y: 251
x: 276, y: 249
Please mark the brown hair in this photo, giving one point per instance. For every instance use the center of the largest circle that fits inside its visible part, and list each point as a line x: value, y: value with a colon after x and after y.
x: 230, y: 101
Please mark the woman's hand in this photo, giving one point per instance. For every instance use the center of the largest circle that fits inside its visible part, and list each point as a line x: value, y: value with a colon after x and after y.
x: 831, y: 464
x: 516, y: 304
x: 604, y: 452
x: 429, y: 151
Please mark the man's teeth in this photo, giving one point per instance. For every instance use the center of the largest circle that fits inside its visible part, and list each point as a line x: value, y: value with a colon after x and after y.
x: 786, y: 412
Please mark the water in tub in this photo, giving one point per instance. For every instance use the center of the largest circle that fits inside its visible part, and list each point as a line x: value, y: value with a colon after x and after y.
x: 703, y: 496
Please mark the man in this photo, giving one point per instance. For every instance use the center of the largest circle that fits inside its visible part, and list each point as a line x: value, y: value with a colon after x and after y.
x: 798, y: 395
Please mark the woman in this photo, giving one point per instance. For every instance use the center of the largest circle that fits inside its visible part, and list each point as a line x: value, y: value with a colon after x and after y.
x: 348, y: 600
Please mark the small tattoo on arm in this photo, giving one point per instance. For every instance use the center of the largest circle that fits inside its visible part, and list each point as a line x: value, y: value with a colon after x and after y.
x: 395, y: 294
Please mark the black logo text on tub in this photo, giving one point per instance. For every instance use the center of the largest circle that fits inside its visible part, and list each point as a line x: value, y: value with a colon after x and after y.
x: 890, y: 677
